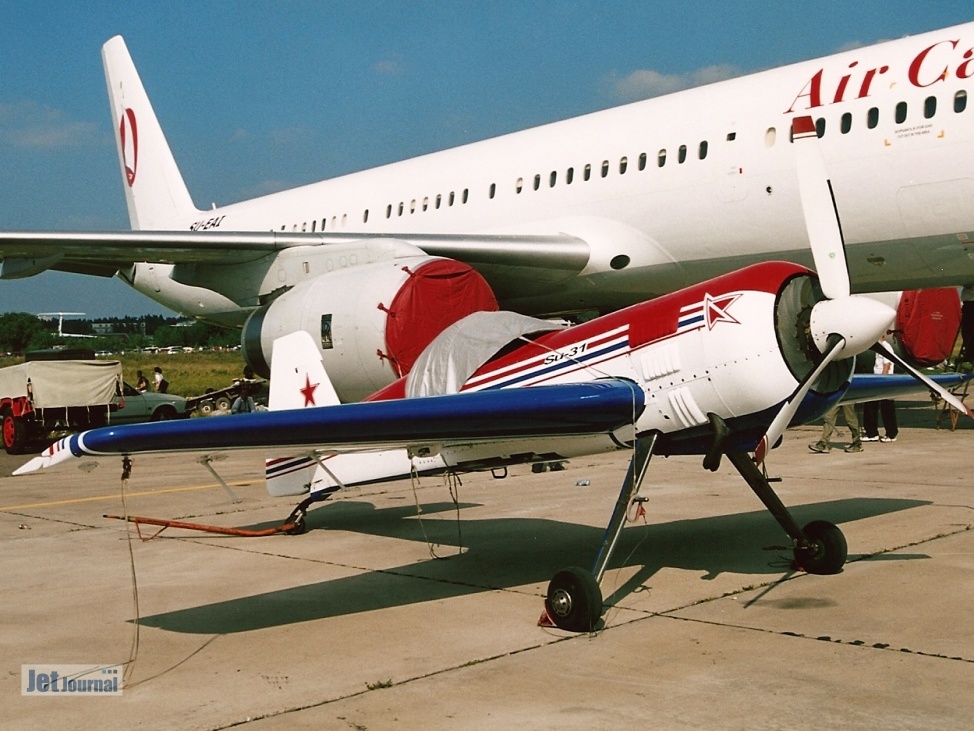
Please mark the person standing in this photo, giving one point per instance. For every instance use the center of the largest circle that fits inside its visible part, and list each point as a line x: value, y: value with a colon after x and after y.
x: 967, y: 323
x: 824, y: 445
x: 162, y: 385
x: 884, y: 408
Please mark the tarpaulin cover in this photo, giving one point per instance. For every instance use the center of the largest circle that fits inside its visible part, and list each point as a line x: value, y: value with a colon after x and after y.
x: 63, y: 383
x: 928, y: 320
x: 436, y: 295
x: 465, y: 346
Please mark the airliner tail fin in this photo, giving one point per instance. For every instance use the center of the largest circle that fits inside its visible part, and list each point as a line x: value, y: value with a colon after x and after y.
x: 156, y: 195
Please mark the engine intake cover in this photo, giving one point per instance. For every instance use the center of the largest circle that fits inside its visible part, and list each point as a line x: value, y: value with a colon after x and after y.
x: 371, y: 322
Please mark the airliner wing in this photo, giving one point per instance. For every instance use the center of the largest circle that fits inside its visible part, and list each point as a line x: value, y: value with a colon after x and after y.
x: 575, y: 409
x: 24, y: 254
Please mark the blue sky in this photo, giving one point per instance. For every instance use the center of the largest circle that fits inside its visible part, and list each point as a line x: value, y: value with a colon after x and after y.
x: 259, y: 96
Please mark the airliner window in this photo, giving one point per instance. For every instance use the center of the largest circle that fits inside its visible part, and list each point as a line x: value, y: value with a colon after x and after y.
x: 846, y: 124
x: 313, y: 225
x: 901, y: 113
x: 552, y: 179
x: 770, y: 136
x: 820, y: 127
x: 466, y: 194
x: 960, y: 101
x: 519, y: 185
x: 872, y: 118
x: 642, y: 161
x: 389, y: 211
x: 326, y: 341
x: 929, y: 107
x: 588, y: 172
x: 605, y: 168
x: 401, y: 207
x: 365, y: 216
x: 493, y: 190
x: 569, y: 176
x: 682, y: 155
x: 623, y: 165
x: 439, y: 198
x: 702, y: 150
x: 661, y: 158
x: 537, y: 182
x: 451, y: 199
x: 426, y: 200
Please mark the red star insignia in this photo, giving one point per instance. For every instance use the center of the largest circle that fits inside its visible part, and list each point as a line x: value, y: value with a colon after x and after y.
x: 309, y: 391
x: 715, y: 309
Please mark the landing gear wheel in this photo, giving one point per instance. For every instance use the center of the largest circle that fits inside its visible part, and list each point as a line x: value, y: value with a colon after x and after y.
x: 574, y: 600
x: 826, y: 550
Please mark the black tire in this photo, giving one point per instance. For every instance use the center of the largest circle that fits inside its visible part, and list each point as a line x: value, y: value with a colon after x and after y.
x: 827, y: 549
x: 223, y: 403
x: 14, y: 433
x: 574, y: 600
x: 164, y: 413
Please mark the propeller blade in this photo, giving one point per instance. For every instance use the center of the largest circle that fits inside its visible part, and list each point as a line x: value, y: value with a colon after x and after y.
x: 818, y: 208
x: 884, y: 349
x: 783, y: 418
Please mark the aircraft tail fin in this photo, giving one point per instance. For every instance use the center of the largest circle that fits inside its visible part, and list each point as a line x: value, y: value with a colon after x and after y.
x: 298, y: 380
x: 155, y: 193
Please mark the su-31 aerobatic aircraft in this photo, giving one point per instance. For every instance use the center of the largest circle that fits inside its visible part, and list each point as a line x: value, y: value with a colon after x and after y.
x: 589, y: 214
x: 719, y: 368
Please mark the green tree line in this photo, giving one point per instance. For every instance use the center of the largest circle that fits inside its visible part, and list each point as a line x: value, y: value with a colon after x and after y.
x: 21, y: 332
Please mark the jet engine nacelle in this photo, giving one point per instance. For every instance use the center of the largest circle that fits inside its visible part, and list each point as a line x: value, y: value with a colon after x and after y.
x: 370, y: 322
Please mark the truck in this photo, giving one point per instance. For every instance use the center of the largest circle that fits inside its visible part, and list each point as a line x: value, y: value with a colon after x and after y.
x: 39, y: 397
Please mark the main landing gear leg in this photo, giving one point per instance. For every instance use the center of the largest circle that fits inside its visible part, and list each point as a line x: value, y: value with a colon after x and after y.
x: 574, y: 600
x: 820, y: 547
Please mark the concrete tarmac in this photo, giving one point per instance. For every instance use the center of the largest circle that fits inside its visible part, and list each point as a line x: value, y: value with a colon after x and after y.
x: 384, y: 617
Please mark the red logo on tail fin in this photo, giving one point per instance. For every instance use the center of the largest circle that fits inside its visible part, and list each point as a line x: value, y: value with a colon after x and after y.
x: 128, y: 132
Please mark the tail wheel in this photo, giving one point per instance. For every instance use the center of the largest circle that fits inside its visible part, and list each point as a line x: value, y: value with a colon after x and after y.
x: 574, y: 600
x: 826, y: 550
x: 14, y: 434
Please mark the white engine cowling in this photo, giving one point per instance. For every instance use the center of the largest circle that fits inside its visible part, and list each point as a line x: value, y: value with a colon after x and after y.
x: 370, y: 322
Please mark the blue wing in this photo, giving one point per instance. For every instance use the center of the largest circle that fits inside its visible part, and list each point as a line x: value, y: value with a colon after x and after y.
x: 869, y: 387
x: 575, y: 409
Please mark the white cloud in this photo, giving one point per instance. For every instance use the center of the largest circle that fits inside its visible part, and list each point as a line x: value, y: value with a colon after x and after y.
x: 391, y: 65
x: 292, y: 136
x: 647, y: 83
x: 33, y: 125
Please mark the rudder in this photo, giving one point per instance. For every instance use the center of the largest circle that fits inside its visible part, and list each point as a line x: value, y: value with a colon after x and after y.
x: 156, y: 196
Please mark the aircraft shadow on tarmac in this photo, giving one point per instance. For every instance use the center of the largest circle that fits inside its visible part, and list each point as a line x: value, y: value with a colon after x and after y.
x: 510, y: 552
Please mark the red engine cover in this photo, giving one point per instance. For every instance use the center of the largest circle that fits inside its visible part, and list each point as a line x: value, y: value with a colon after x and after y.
x: 437, y: 294
x: 927, y: 321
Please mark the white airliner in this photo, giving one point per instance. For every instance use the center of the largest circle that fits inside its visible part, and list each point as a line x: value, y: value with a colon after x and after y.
x: 591, y: 213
